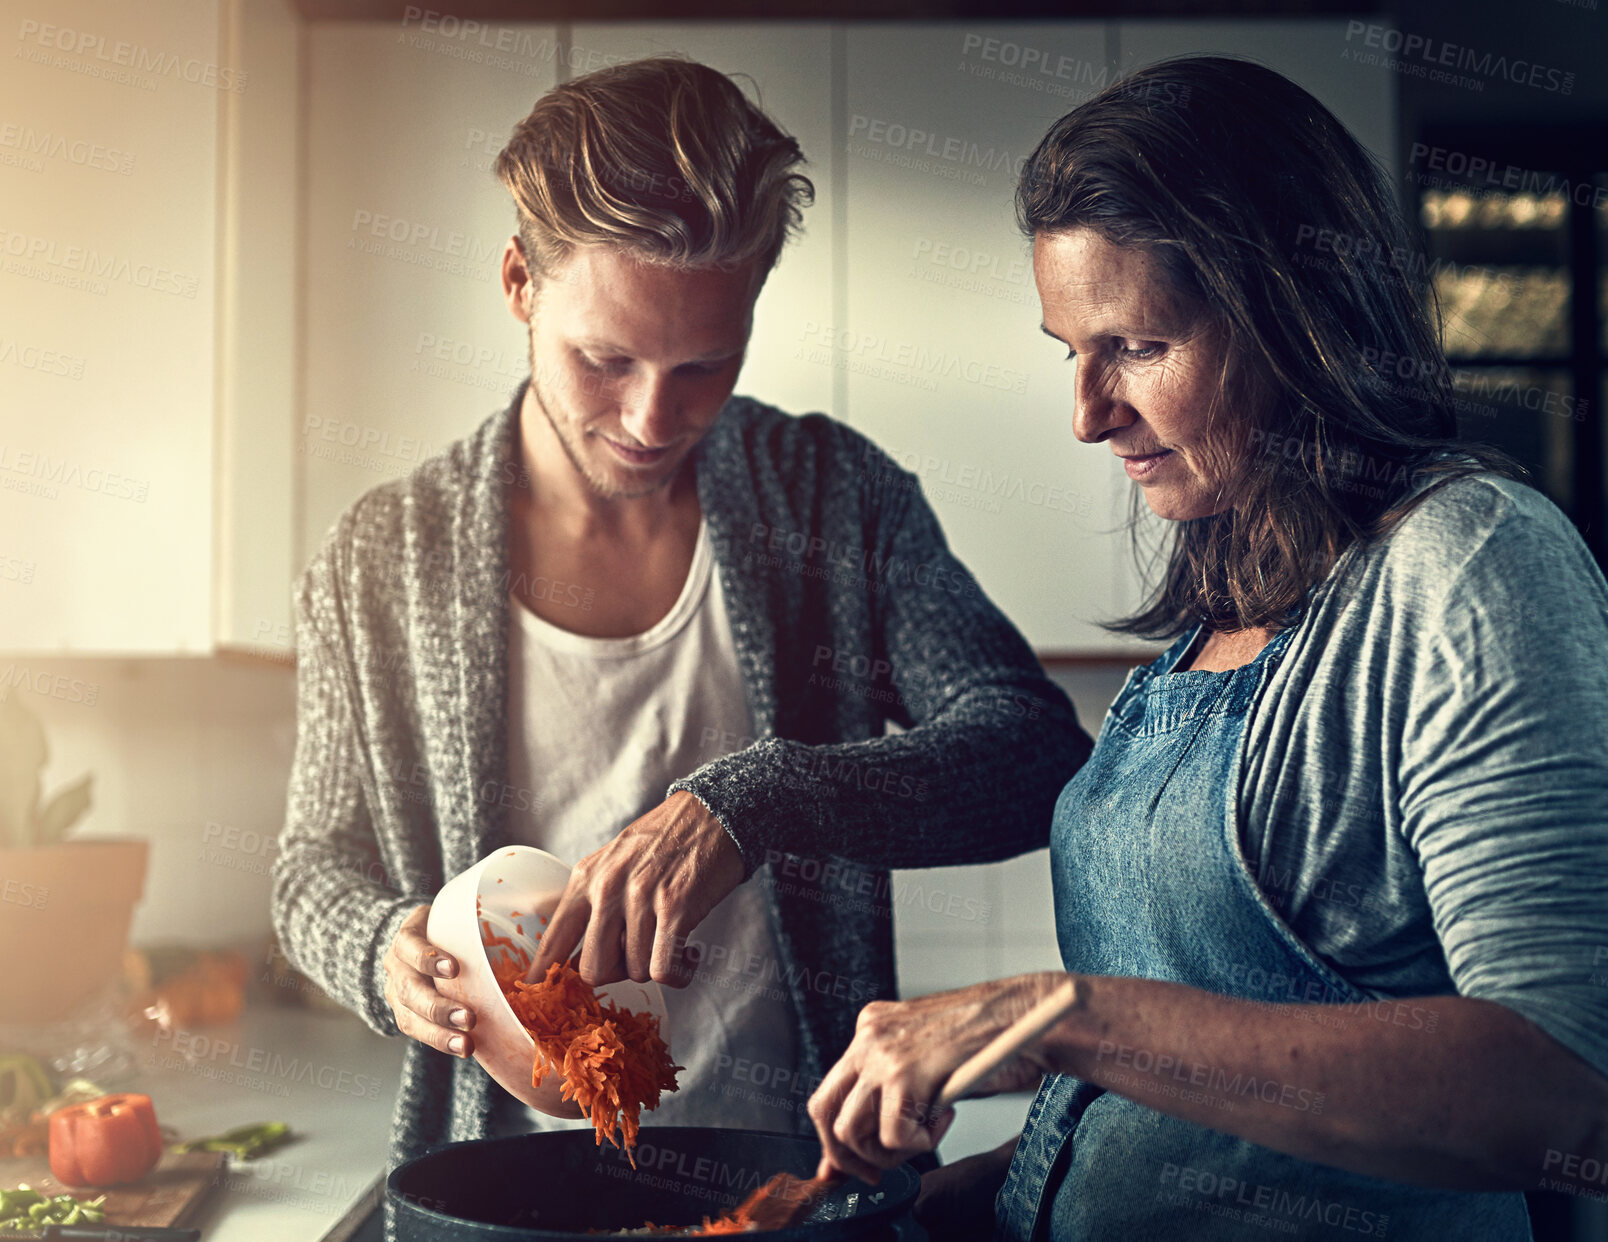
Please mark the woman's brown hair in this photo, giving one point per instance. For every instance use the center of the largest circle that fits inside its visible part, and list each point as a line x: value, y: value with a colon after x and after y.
x: 1261, y: 207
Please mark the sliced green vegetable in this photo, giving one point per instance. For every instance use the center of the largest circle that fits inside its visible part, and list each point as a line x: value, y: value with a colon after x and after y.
x: 25, y: 1210
x: 14, y: 1201
x: 24, y: 1083
x: 243, y: 1142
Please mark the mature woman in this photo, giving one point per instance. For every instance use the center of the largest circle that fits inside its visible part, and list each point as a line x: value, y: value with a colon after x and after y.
x: 1334, y: 883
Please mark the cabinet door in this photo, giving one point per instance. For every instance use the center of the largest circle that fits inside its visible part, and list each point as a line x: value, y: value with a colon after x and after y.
x: 938, y: 337
x: 108, y: 172
x: 409, y: 344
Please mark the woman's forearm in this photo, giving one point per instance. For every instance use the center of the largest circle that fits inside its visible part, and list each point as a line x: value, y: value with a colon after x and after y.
x: 1443, y: 1090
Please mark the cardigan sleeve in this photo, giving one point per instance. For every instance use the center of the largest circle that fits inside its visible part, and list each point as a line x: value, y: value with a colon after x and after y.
x: 334, y: 909
x: 1504, y: 774
x: 989, y: 740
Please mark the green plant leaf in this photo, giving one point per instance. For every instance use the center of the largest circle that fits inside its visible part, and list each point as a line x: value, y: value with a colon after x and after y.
x: 63, y: 811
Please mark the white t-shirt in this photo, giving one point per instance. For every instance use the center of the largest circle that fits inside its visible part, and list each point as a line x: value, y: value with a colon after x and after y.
x: 598, y: 728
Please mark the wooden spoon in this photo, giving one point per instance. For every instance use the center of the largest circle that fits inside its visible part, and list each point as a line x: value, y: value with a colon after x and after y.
x: 785, y: 1199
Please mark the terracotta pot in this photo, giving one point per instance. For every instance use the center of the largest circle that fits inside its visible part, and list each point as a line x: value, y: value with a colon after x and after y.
x: 65, y: 911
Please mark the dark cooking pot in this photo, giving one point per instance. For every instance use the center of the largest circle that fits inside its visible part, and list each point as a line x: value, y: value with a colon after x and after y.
x: 562, y: 1185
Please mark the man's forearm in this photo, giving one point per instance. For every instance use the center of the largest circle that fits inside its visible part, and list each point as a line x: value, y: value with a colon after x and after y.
x: 976, y: 784
x: 1443, y: 1091
x: 334, y: 925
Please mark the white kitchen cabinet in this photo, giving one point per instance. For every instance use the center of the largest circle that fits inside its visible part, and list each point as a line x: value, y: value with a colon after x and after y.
x: 409, y: 343
x: 132, y: 235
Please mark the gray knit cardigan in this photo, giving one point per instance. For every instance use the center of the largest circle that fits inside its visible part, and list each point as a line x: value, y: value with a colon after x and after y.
x: 847, y: 610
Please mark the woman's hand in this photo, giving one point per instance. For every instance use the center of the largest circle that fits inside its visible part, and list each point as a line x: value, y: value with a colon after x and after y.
x: 631, y: 905
x: 874, y: 1109
x: 412, y: 965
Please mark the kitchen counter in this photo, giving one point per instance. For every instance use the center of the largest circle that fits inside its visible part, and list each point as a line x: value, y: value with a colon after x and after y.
x: 333, y: 1080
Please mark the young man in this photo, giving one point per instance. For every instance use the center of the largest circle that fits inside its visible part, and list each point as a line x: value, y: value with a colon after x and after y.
x: 631, y: 582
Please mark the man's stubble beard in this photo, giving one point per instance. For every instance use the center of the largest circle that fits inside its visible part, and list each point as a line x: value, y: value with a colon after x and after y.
x: 572, y: 447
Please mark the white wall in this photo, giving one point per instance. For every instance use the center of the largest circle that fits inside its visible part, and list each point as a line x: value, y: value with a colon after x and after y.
x: 194, y: 756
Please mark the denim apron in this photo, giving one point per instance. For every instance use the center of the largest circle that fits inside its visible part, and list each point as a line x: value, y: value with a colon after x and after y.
x: 1150, y: 883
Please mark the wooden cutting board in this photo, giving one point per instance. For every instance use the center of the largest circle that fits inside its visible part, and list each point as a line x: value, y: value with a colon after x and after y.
x: 168, y: 1195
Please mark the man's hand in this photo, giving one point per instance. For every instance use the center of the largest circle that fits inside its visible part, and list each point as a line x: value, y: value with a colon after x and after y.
x: 412, y: 964
x: 631, y: 905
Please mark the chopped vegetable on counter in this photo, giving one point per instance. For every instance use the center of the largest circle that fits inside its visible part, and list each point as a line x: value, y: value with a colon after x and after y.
x: 105, y: 1142
x: 24, y: 1082
x: 21, y: 1139
x: 183, y: 988
x: 613, y: 1060
x: 243, y: 1142
x: 25, y: 1210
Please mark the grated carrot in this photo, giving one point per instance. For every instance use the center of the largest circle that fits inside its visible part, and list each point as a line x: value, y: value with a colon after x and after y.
x: 614, y: 1061
x: 781, y: 1187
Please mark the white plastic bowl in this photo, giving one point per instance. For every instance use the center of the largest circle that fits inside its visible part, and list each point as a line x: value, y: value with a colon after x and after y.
x: 518, y: 887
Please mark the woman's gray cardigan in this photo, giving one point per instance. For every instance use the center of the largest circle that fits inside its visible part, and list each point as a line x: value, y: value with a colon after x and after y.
x: 847, y: 609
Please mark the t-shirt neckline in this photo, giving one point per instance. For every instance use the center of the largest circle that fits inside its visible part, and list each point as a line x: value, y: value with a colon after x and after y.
x: 555, y: 638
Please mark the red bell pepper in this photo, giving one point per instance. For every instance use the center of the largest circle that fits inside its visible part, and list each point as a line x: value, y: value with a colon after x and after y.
x: 105, y: 1142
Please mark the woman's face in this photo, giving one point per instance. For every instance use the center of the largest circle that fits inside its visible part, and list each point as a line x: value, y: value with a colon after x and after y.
x: 1148, y: 370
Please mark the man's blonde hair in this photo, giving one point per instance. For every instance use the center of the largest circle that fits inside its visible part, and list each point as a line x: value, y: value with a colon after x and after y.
x: 665, y: 157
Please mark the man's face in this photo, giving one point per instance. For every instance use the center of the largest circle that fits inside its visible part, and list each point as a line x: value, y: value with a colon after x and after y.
x: 631, y: 363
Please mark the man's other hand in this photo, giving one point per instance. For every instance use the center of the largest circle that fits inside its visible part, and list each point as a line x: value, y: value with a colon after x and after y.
x: 412, y: 966
x: 630, y: 906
